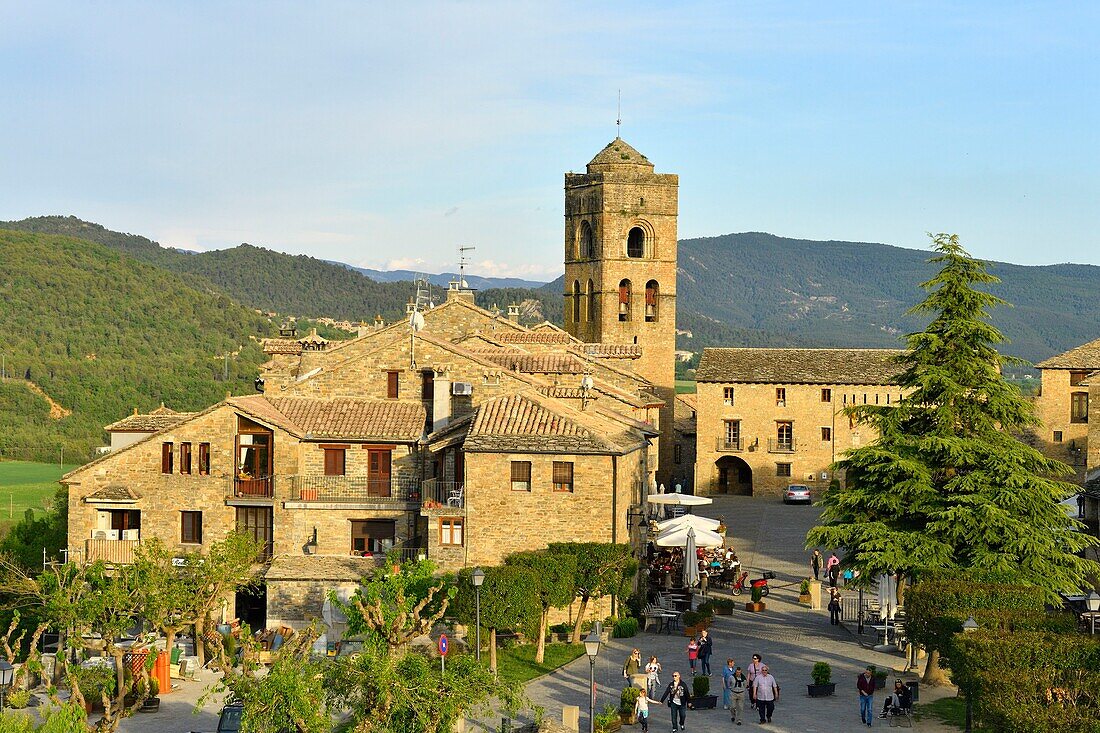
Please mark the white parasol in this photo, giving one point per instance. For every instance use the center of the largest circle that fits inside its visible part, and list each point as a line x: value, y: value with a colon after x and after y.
x: 678, y: 536
x: 679, y: 499
x: 691, y: 563
x: 693, y: 520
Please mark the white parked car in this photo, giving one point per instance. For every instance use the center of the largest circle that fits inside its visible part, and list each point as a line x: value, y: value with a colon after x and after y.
x: 797, y: 494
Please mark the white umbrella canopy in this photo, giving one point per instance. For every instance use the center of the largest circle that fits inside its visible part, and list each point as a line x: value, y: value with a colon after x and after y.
x: 887, y: 596
x: 679, y: 499
x: 691, y: 564
x: 678, y: 536
x: 693, y: 520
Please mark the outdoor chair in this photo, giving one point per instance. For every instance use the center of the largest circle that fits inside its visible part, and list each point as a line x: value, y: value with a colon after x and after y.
x: 455, y: 498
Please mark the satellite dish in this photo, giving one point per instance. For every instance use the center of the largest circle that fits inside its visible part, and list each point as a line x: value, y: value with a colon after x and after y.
x: 586, y: 382
x: 463, y: 284
x: 416, y: 321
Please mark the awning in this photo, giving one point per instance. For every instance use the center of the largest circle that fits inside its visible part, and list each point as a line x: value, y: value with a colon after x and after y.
x: 677, y: 537
x: 692, y: 520
x: 679, y: 499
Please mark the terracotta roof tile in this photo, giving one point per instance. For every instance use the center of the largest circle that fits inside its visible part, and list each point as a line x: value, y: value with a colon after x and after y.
x: 1085, y: 356
x: 799, y: 366
x: 357, y: 419
x: 545, y: 363
x: 613, y: 351
x: 282, y: 346
x: 525, y: 424
x: 545, y: 336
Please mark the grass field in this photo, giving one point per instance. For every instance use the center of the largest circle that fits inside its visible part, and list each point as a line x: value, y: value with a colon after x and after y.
x: 517, y: 663
x: 685, y: 386
x: 25, y: 485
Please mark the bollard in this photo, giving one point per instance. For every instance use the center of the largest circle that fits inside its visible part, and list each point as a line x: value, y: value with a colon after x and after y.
x: 571, y: 717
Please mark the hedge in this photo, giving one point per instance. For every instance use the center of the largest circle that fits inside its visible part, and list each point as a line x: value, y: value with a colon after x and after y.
x: 935, y: 609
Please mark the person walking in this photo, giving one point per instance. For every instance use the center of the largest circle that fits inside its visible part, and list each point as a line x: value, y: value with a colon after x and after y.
x: 652, y: 676
x: 738, y: 684
x: 832, y: 569
x: 816, y: 562
x: 678, y: 698
x: 866, y: 686
x: 706, y: 648
x: 641, y: 710
x: 834, y: 607
x: 755, y: 668
x: 633, y: 664
x: 693, y: 653
x: 766, y: 690
x: 727, y: 673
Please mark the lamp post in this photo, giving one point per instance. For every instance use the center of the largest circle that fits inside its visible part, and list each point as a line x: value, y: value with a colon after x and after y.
x: 477, y: 577
x: 592, y: 648
x: 969, y: 627
x: 1092, y: 603
x: 6, y: 672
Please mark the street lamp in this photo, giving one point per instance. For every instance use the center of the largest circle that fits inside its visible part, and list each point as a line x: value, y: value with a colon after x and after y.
x: 6, y: 672
x: 1092, y: 603
x: 592, y: 648
x: 969, y: 627
x: 477, y: 577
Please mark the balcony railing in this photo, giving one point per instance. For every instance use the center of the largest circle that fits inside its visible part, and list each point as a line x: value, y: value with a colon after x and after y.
x: 445, y: 493
x: 776, y: 445
x: 112, y: 552
x: 353, y: 488
x: 260, y: 487
x: 730, y: 446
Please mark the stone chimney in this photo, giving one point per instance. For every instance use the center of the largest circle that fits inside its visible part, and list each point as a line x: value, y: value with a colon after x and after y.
x: 456, y: 290
x: 513, y: 313
x: 378, y: 322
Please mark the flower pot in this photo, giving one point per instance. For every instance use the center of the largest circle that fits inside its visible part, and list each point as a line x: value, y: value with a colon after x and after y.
x: 756, y: 607
x: 825, y: 690
x: 804, y: 597
x: 880, y: 682
x: 704, y: 702
x: 628, y: 718
x: 151, y: 705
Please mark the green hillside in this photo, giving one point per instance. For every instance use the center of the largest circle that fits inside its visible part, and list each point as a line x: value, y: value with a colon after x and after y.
x: 100, y: 334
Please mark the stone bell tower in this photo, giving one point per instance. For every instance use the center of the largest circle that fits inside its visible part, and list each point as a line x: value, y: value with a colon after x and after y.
x: 620, y: 268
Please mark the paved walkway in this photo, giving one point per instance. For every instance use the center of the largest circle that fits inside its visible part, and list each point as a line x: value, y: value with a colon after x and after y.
x: 789, y: 636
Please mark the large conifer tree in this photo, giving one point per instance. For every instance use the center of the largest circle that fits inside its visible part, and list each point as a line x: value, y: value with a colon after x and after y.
x: 947, y: 485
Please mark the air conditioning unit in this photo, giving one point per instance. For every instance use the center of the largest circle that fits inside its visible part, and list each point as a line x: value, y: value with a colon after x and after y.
x: 131, y: 534
x: 105, y: 534
x: 462, y: 388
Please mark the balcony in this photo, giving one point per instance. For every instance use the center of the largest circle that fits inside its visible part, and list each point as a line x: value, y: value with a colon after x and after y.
x: 776, y: 445
x: 353, y: 489
x: 112, y: 552
x: 724, y: 445
x: 444, y: 494
x: 261, y: 487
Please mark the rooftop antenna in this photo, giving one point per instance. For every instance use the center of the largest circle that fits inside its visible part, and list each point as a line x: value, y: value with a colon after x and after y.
x: 619, y: 116
x: 416, y: 318
x: 463, y: 260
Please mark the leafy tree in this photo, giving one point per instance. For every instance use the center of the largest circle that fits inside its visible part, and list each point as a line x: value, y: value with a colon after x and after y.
x: 603, y: 569
x: 229, y: 566
x: 553, y: 577
x: 946, y: 485
x: 37, y: 532
x: 508, y: 601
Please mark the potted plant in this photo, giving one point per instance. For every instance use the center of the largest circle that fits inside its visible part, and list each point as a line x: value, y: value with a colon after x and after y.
x: 627, y: 700
x: 804, y: 591
x: 691, y: 621
x: 757, y: 603
x: 722, y: 606
x: 701, y: 699
x: 822, y: 675
x: 151, y: 704
x: 93, y: 683
x: 608, y: 721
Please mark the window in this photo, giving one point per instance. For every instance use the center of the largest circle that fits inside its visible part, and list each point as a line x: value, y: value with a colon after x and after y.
x: 677, y: 453
x: 590, y: 313
x: 371, y: 536
x: 826, y: 434
x: 191, y: 528
x: 635, y: 243
x: 826, y: 395
x: 624, y: 300
x: 393, y: 384
x: 166, y: 458
x: 563, y: 475
x: 652, y: 296
x: 784, y: 435
x: 335, y: 461
x: 427, y: 384
x: 727, y: 396
x: 780, y: 396
x: 576, y: 301
x: 185, y: 458
x: 586, y: 241
x: 1075, y: 378
x: 204, y: 459
x: 1057, y: 436
x: 782, y: 469
x: 450, y: 531
x: 521, y: 475
x: 732, y: 434
x: 1079, y: 407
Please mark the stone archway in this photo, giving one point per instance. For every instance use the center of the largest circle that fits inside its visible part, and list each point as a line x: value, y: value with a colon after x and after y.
x: 734, y: 476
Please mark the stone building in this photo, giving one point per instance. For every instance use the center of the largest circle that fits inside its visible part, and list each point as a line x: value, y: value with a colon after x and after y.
x: 1063, y: 406
x: 766, y: 418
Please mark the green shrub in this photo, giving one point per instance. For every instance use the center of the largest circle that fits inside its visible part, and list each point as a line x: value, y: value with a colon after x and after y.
x: 627, y: 699
x: 691, y: 618
x: 607, y: 718
x: 804, y: 588
x: 700, y: 685
x: 625, y: 628
x: 561, y: 628
x: 722, y: 605
x: 757, y: 595
x: 822, y: 673
x: 19, y: 698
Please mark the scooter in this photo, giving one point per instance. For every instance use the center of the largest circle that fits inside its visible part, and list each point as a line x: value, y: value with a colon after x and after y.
x: 761, y: 583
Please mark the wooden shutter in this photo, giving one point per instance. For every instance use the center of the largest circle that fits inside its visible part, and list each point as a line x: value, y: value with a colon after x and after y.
x: 393, y: 385
x: 204, y: 458
x: 563, y: 476
x: 185, y: 458
x: 334, y: 461
x: 166, y: 458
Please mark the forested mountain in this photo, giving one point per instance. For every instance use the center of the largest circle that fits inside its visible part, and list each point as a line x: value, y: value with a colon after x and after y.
x: 441, y: 279
x: 100, y: 334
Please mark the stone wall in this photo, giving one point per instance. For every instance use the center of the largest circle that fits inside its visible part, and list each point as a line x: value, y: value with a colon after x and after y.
x: 295, y: 603
x: 1052, y: 407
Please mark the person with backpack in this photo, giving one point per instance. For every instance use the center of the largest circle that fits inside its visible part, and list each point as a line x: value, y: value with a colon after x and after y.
x: 678, y: 700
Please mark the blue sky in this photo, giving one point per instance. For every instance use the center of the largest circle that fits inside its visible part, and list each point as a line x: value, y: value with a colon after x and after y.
x: 387, y: 134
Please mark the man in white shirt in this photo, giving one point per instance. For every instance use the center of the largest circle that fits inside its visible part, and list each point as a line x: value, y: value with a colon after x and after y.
x: 766, y: 692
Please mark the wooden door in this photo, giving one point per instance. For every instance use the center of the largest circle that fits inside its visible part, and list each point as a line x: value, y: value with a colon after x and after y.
x: 378, y: 472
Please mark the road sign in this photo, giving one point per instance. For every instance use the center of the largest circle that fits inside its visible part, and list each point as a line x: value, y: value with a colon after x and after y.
x: 443, y: 646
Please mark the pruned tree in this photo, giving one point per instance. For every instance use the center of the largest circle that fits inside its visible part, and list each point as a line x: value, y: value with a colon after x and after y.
x: 603, y: 569
x: 947, y: 485
x: 552, y: 574
x: 508, y: 601
x: 228, y: 566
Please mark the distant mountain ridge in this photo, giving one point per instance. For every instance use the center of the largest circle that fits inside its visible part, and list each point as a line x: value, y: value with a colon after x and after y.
x: 441, y: 279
